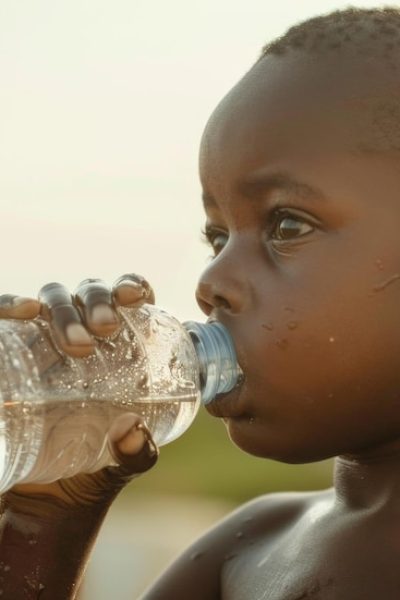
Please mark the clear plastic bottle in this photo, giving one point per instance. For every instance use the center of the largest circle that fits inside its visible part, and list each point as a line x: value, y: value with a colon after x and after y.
x: 55, y: 411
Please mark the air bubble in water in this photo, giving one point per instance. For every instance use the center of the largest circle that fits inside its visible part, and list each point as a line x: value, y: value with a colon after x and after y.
x: 143, y: 379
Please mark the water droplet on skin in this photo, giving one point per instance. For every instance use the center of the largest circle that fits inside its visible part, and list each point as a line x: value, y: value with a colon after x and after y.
x: 251, y: 420
x: 330, y: 395
x: 7, y: 568
x: 331, y: 339
x: 229, y: 556
x: 282, y: 343
x: 384, y: 284
x: 268, y: 326
x: 247, y: 519
x: 289, y: 308
x: 239, y: 535
x: 85, y: 385
x: 379, y: 264
x: 292, y: 325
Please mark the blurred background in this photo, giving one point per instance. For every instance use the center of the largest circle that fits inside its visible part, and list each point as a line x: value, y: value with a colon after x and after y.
x: 102, y: 109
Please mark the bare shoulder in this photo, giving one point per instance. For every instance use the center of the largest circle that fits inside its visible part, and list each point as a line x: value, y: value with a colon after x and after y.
x: 196, y: 573
x: 266, y: 514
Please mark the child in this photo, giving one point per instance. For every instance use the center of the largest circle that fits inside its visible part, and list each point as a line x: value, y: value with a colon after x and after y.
x: 300, y: 170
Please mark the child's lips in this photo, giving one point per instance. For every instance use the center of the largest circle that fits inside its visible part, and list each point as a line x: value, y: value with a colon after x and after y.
x: 227, y: 405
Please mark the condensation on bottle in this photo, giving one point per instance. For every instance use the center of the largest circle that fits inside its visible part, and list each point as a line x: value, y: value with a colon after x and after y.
x: 55, y: 411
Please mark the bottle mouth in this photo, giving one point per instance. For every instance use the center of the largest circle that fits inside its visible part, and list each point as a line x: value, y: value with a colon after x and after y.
x: 218, y: 366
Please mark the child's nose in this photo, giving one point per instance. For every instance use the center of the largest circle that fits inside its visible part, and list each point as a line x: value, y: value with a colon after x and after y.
x: 219, y: 287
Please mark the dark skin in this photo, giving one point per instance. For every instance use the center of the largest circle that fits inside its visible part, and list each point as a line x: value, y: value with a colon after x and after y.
x: 307, y: 279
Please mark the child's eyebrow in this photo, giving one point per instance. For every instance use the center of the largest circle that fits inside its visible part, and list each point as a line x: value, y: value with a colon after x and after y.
x: 260, y: 184
x: 257, y: 185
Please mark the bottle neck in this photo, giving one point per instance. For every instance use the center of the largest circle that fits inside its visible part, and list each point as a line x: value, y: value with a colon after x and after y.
x: 219, y: 370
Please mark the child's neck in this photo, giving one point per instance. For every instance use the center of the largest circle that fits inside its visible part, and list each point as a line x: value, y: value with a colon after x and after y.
x: 369, y: 480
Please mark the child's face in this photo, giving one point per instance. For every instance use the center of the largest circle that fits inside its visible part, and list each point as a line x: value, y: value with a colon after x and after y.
x: 307, y: 273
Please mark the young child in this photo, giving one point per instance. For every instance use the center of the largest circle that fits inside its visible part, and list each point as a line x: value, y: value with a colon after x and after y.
x: 301, y: 175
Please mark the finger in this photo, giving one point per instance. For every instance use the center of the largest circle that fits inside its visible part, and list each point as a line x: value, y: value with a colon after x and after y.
x: 132, y: 290
x: 18, y: 307
x: 132, y: 446
x: 95, y: 300
x: 58, y: 309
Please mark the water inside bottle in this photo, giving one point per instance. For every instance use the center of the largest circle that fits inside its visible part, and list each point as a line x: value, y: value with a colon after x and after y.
x: 68, y: 436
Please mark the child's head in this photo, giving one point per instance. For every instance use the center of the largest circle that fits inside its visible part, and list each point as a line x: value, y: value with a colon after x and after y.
x: 300, y: 165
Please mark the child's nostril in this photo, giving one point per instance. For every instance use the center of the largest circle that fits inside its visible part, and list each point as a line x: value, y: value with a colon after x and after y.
x: 221, y: 302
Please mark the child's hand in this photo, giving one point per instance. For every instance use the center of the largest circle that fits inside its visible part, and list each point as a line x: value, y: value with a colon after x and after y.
x: 75, y: 320
x: 90, y: 311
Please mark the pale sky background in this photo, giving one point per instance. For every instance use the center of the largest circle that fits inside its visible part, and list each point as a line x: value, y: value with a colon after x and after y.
x: 102, y: 106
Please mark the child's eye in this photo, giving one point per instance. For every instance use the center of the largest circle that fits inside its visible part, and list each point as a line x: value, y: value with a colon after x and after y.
x: 215, y: 238
x: 287, y: 227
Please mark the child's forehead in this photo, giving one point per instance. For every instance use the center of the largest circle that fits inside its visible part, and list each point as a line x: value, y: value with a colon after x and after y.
x: 281, y: 119
x: 297, y: 104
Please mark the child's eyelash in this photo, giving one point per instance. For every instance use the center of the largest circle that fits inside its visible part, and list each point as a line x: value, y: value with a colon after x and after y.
x: 208, y: 234
x: 205, y: 235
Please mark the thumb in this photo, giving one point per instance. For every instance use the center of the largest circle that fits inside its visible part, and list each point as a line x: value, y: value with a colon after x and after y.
x: 132, y: 447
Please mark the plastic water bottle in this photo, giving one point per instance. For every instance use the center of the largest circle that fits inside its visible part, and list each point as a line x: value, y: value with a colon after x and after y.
x: 55, y: 410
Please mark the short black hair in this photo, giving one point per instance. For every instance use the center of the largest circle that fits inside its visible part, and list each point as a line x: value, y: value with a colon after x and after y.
x: 365, y: 31
x: 376, y: 29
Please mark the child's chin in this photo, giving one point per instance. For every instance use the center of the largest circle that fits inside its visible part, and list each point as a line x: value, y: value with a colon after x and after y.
x: 246, y: 435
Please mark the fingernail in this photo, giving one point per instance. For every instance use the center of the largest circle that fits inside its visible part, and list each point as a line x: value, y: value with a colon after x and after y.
x: 11, y: 301
x: 138, y: 287
x: 77, y: 335
x: 151, y: 448
x: 102, y: 313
